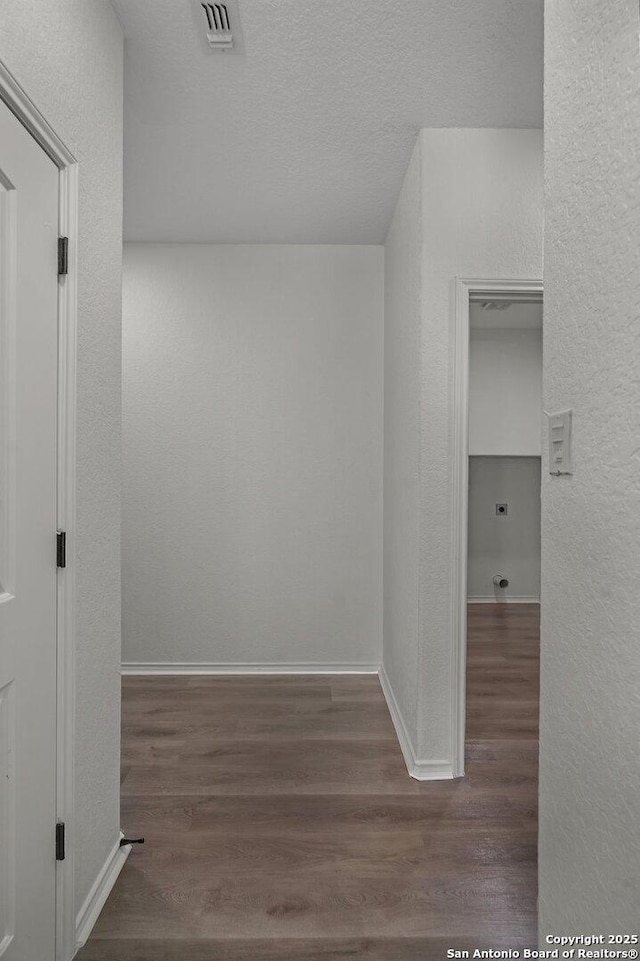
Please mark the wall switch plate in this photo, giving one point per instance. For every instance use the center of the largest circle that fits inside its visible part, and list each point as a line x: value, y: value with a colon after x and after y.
x: 502, y: 510
x: 560, y: 429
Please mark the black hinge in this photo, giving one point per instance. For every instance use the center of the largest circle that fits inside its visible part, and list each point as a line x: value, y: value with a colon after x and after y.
x: 60, y: 839
x: 63, y: 256
x: 61, y: 549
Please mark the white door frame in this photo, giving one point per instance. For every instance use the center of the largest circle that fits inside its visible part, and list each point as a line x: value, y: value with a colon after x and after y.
x: 19, y: 103
x: 465, y: 289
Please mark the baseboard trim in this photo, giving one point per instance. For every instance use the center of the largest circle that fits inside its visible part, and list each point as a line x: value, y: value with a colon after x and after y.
x: 503, y: 600
x: 421, y: 770
x: 100, y: 890
x: 143, y: 668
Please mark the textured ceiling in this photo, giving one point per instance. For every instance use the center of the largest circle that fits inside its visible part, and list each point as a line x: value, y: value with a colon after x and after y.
x: 306, y: 137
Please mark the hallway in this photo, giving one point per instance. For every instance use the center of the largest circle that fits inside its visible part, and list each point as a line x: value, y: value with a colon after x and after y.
x: 280, y: 822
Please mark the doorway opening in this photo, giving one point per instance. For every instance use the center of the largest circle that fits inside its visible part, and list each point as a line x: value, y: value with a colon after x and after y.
x: 497, y: 433
x: 503, y: 554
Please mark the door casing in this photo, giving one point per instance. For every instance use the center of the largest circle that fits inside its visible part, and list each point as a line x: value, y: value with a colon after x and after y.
x: 25, y: 110
x: 464, y: 291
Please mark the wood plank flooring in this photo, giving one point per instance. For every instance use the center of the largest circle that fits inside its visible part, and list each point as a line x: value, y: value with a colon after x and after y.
x: 281, y: 823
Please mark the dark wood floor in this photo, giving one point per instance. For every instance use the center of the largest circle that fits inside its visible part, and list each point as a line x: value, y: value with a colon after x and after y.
x: 281, y: 822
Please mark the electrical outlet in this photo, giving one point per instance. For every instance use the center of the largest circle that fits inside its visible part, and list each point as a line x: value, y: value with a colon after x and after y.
x: 502, y: 510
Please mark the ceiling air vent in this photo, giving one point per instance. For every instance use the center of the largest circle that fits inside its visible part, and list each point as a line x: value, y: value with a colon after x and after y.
x: 495, y: 304
x: 221, y: 25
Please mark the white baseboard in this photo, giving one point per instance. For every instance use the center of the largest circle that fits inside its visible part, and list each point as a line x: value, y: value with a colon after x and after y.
x: 421, y: 770
x: 138, y: 668
x: 100, y: 890
x: 503, y: 600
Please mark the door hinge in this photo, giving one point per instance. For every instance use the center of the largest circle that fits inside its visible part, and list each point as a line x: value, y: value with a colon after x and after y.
x: 61, y: 549
x: 60, y: 840
x: 63, y: 256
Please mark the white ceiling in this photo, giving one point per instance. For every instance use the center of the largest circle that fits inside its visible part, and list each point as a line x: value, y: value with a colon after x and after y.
x: 306, y: 137
x: 515, y: 317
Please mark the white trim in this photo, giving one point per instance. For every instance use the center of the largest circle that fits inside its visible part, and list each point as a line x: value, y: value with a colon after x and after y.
x: 464, y: 289
x: 19, y: 103
x: 503, y: 600
x: 100, y: 891
x: 459, y: 483
x: 170, y: 668
x: 26, y: 111
x: 404, y: 738
x: 67, y: 339
x: 421, y: 770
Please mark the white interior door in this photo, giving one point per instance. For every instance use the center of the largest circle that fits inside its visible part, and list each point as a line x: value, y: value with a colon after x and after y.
x: 28, y: 399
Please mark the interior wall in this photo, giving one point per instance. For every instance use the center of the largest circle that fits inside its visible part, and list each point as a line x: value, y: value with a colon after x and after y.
x: 402, y: 319
x: 483, y: 214
x: 504, y: 544
x: 471, y: 207
x: 253, y: 455
x: 590, y: 710
x: 67, y: 56
x: 505, y: 391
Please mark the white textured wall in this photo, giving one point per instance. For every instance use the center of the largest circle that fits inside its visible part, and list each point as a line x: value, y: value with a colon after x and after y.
x: 590, y: 723
x: 403, y: 298
x: 482, y: 215
x: 505, y: 391
x: 509, y: 544
x: 252, y: 454
x: 471, y: 206
x: 67, y: 54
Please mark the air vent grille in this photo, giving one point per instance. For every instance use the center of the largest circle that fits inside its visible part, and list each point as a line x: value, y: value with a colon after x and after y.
x: 218, y: 25
x: 496, y: 304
